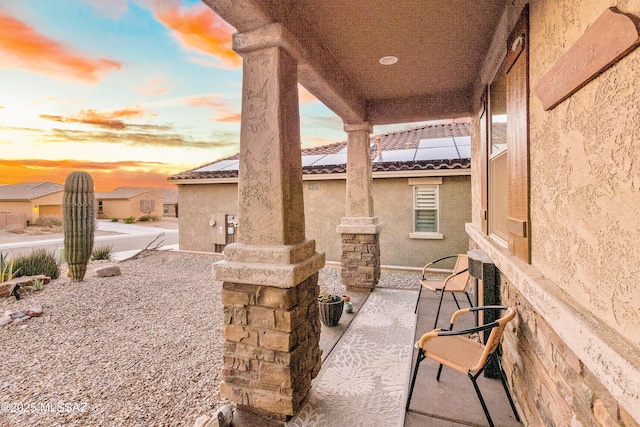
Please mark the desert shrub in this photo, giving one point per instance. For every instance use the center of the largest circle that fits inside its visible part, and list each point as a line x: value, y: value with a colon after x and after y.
x: 7, y: 271
x: 14, y: 228
x: 114, y: 219
x: 38, y: 261
x: 49, y: 221
x: 129, y: 220
x: 101, y: 252
x: 152, y: 218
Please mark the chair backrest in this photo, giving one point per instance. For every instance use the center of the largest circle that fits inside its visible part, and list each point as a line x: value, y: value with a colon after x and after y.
x: 458, y: 282
x: 494, y: 337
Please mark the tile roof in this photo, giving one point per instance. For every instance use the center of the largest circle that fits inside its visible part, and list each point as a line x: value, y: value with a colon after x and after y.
x: 430, y: 147
x: 26, y: 191
x: 120, y: 193
x: 170, y: 195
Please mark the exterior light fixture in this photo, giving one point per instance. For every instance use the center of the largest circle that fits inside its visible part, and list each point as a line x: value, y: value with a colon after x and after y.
x: 388, y: 60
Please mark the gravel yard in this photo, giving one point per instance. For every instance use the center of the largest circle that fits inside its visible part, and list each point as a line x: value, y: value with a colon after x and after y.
x: 142, y: 349
x: 139, y: 349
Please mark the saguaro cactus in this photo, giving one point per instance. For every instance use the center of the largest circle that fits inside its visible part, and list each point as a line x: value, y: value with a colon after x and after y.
x: 78, y: 208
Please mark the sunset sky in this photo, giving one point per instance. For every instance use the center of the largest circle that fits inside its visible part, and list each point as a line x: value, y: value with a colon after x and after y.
x: 130, y: 91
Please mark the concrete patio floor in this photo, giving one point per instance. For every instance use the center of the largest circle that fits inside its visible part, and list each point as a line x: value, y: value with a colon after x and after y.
x: 452, y: 401
x: 449, y: 402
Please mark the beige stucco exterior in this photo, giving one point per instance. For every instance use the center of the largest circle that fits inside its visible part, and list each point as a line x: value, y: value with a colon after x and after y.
x: 123, y: 208
x: 324, y: 203
x: 578, y: 301
x: 50, y: 204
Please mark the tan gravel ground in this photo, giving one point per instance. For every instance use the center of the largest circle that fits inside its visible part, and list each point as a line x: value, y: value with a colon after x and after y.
x: 139, y: 349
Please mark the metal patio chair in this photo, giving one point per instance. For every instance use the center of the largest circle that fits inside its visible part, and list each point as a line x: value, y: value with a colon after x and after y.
x: 456, y: 282
x: 458, y: 351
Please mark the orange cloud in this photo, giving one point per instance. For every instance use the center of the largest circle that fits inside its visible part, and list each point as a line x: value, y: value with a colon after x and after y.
x: 228, y: 118
x: 225, y: 115
x: 108, y: 119
x: 25, y: 48
x: 153, y: 86
x: 205, y: 101
x: 107, y: 175
x: 198, y: 28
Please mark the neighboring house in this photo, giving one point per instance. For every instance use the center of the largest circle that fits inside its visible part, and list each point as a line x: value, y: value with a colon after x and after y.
x: 24, y: 203
x: 124, y: 203
x: 169, y: 198
x: 421, y: 195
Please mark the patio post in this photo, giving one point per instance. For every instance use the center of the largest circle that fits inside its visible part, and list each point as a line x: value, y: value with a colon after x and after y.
x: 359, y: 230
x: 270, y: 276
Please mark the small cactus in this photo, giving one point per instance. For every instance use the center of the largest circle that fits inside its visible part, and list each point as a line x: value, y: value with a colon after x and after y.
x: 78, y: 208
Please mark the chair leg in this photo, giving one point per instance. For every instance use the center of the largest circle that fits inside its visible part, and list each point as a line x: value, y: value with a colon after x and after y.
x: 484, y: 406
x: 439, y: 372
x: 419, y: 359
x: 456, y: 300
x: 435, y: 324
x: 503, y: 377
x: 468, y: 299
x: 415, y: 310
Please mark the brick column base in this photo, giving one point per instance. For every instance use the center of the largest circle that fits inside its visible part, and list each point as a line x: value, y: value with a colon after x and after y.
x: 360, y: 260
x: 271, y: 349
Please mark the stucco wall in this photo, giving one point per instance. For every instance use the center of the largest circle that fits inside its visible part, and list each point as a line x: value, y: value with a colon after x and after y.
x: 585, y: 186
x: 393, y: 203
x: 123, y: 208
x: 324, y: 202
x: 31, y: 208
x: 19, y: 208
x: 197, y: 203
x: 572, y: 353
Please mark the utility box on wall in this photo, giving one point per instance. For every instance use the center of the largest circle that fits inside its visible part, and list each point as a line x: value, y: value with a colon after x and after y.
x: 487, y: 278
x: 223, y: 227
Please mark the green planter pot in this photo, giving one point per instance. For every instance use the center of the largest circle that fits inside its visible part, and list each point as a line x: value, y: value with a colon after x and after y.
x: 330, y: 312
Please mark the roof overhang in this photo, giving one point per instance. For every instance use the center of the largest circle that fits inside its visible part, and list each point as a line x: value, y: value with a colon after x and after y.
x: 440, y: 48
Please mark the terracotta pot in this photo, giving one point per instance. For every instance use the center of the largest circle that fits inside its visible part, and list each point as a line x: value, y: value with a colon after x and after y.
x: 330, y: 312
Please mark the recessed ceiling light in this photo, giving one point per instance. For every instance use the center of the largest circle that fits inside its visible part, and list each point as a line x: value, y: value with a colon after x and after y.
x: 388, y: 60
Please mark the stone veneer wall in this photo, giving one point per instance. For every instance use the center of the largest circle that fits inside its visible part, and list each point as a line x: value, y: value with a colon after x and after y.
x: 271, y: 338
x: 551, y: 385
x: 360, y: 260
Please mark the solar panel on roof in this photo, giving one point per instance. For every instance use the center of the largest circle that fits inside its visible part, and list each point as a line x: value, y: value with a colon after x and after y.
x: 396, y: 156
x: 331, y: 159
x: 217, y: 166
x: 309, y: 159
x: 462, y: 140
x: 465, y: 151
x: 437, y: 153
x: 436, y: 142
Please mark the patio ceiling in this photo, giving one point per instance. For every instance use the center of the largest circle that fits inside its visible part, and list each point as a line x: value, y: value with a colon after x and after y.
x: 440, y: 46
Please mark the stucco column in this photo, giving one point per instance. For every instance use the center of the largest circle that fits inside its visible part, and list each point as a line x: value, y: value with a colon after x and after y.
x: 360, y: 230
x: 270, y: 277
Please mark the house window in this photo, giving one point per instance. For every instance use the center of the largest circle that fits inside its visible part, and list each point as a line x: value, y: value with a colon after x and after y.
x: 100, y: 206
x: 147, y: 206
x: 505, y: 150
x: 498, y: 177
x: 426, y: 208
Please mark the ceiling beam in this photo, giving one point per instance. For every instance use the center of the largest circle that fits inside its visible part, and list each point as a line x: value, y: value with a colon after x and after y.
x: 317, y: 70
x: 447, y: 105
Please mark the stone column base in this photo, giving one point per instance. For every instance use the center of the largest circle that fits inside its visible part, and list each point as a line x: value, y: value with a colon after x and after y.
x: 360, y: 251
x: 271, y: 326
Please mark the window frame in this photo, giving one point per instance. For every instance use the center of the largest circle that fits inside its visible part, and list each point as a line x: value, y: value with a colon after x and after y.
x: 433, y: 184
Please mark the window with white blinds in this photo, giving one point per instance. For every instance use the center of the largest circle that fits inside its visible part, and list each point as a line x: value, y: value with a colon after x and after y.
x: 425, y: 206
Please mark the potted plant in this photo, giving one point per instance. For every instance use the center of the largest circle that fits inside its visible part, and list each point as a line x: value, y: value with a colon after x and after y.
x: 330, y: 309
